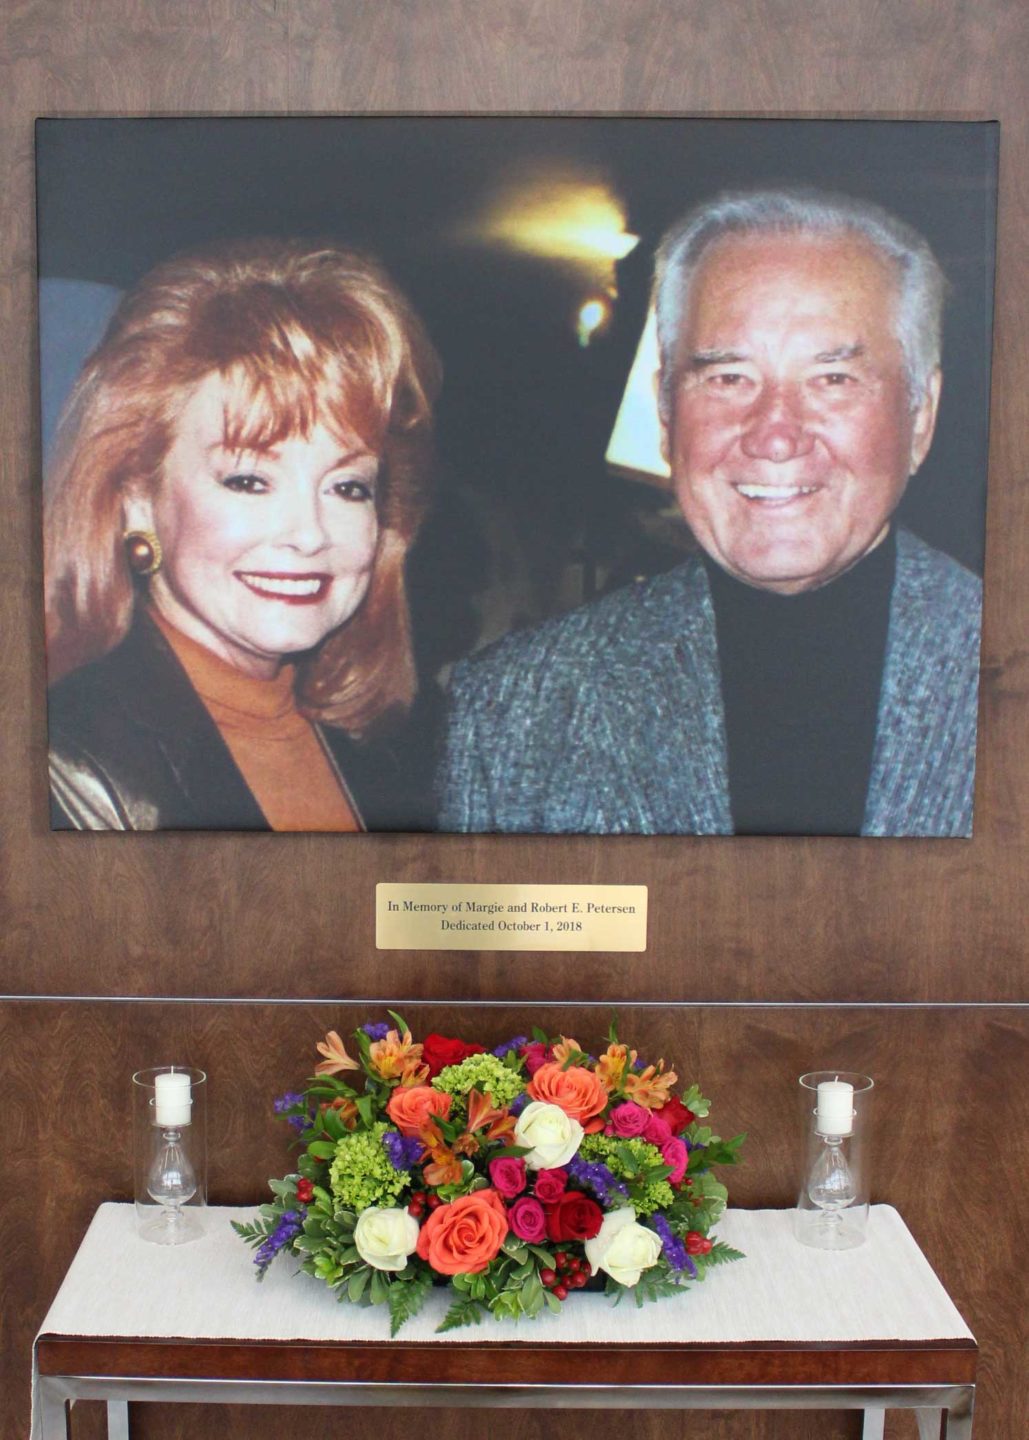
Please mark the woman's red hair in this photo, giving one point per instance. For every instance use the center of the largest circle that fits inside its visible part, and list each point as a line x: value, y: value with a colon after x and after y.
x: 304, y: 334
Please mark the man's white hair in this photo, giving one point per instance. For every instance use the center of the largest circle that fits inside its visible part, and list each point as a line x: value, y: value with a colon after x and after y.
x: 921, y: 283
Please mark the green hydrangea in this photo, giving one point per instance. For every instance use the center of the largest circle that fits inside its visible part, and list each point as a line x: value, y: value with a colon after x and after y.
x: 361, y: 1173
x: 647, y: 1196
x: 482, y: 1072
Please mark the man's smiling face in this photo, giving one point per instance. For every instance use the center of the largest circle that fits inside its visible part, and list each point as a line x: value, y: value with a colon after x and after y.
x: 792, y: 433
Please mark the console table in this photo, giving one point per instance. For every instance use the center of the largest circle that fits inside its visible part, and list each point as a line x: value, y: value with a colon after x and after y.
x: 788, y: 1328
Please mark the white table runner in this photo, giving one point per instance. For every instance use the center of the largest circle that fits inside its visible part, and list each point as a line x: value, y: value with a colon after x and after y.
x: 120, y: 1285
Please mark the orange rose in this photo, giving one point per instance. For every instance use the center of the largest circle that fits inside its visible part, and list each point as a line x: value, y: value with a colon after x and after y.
x: 463, y: 1237
x: 576, y: 1091
x: 413, y: 1108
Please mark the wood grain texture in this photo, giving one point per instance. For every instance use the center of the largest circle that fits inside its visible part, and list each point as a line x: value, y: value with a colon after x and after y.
x: 796, y: 920
x: 279, y: 916
x: 951, y: 1149
x: 524, y: 1363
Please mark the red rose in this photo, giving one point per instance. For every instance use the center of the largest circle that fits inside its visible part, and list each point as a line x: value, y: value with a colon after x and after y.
x: 535, y: 1054
x: 574, y: 1217
x: 676, y: 1114
x: 550, y: 1185
x: 675, y: 1154
x: 439, y: 1051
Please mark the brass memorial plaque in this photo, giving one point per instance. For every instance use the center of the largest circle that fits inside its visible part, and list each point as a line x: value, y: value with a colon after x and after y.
x: 510, y: 917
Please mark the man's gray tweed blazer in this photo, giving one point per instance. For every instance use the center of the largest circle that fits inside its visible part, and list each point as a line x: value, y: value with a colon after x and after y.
x: 609, y: 720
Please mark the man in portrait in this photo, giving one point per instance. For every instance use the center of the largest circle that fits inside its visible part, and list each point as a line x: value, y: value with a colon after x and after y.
x: 813, y: 667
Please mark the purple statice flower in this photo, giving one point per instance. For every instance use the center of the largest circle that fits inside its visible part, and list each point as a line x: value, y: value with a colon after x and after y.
x: 596, y: 1177
x: 638, y: 1064
x: 509, y: 1045
x: 673, y: 1247
x: 376, y: 1029
x: 404, y: 1151
x: 287, y: 1101
x: 290, y: 1224
x: 302, y: 1123
x: 519, y: 1103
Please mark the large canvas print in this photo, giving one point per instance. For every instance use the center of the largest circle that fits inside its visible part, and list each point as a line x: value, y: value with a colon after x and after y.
x: 506, y: 474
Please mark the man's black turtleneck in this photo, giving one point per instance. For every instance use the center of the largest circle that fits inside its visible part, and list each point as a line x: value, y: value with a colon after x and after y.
x: 801, y: 676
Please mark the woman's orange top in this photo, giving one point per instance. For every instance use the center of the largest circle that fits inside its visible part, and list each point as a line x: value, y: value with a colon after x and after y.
x: 276, y: 748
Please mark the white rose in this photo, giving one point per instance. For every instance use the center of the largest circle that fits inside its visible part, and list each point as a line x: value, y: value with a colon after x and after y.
x: 622, y: 1247
x: 552, y: 1136
x: 385, y: 1238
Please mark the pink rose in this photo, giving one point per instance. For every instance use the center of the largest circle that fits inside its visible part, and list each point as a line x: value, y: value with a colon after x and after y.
x: 535, y: 1055
x: 550, y: 1185
x: 656, y: 1130
x: 674, y: 1153
x: 508, y: 1175
x: 627, y: 1120
x: 528, y: 1220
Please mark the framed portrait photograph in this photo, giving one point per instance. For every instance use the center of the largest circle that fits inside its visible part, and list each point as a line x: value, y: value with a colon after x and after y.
x: 564, y: 475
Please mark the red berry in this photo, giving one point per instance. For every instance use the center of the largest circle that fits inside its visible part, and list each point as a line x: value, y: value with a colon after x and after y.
x: 695, y: 1243
x: 561, y: 1291
x: 705, y: 1248
x: 549, y: 1277
x: 560, y: 1259
x: 575, y: 1264
x: 434, y: 1202
x: 419, y: 1195
x: 416, y: 1210
x: 305, y: 1191
x: 578, y: 1280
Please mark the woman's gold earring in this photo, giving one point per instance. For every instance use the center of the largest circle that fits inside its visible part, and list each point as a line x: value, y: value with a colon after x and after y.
x: 143, y: 552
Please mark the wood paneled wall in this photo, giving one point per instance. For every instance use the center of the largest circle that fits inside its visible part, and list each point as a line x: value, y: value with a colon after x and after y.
x: 746, y: 921
x: 951, y: 1149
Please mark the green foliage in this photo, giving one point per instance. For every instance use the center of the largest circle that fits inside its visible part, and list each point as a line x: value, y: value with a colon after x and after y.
x: 480, y: 1072
x: 719, y: 1254
x: 693, y: 1100
x: 255, y: 1234
x: 711, y: 1193
x: 724, y: 1152
x: 656, y: 1284
x: 408, y: 1291
x: 464, y: 1311
x: 361, y: 1173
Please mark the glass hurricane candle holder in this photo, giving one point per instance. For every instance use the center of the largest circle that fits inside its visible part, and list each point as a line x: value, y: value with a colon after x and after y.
x: 832, y: 1205
x: 169, y: 1128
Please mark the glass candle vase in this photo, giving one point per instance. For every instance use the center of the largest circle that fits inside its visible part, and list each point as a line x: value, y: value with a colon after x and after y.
x: 169, y: 1134
x: 832, y: 1203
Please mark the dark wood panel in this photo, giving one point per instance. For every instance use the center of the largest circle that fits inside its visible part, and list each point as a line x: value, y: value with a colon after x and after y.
x: 951, y: 1148
x: 758, y: 919
x: 524, y: 1363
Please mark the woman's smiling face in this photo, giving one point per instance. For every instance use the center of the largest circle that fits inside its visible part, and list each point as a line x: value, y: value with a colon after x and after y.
x: 265, y: 552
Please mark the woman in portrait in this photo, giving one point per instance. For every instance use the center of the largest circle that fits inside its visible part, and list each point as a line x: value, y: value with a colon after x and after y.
x: 239, y: 474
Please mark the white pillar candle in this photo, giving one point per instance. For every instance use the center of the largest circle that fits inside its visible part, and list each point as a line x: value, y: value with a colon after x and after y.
x: 835, y: 1114
x: 172, y: 1099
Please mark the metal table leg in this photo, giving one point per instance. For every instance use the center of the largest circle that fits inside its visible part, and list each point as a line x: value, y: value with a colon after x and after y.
x: 930, y: 1424
x: 117, y: 1420
x: 875, y: 1423
x: 53, y: 1413
x: 957, y: 1421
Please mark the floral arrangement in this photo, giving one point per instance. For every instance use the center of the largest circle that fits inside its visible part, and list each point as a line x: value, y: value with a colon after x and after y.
x: 515, y: 1175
